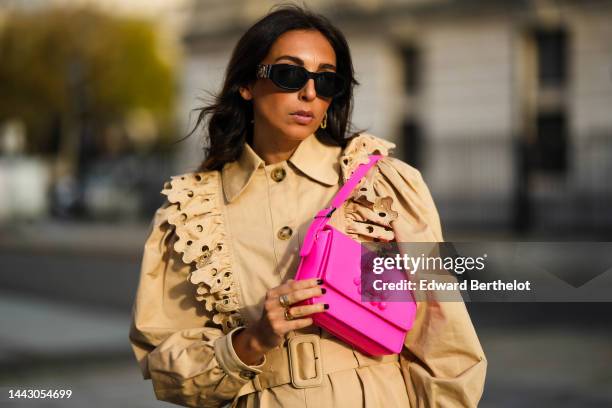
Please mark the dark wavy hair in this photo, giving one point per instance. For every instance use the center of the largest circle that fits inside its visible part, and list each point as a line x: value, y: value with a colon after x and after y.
x: 230, y: 115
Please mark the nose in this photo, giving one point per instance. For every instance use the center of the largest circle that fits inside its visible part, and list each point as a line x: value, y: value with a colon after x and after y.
x: 308, y: 92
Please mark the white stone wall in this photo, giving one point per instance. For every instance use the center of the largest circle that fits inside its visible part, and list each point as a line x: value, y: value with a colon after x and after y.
x: 378, y: 98
x: 468, y: 117
x: 27, y: 181
x: 590, y: 99
x: 201, y: 73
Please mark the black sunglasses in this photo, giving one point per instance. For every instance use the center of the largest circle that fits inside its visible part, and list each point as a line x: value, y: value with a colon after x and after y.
x: 293, y: 78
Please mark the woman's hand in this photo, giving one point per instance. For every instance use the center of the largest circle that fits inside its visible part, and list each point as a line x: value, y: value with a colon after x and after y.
x: 269, y: 331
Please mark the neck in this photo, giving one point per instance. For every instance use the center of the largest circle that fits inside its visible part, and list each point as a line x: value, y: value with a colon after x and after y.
x: 273, y: 149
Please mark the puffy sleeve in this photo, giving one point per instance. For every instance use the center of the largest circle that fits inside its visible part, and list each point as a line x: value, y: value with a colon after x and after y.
x: 189, y: 361
x: 442, y: 361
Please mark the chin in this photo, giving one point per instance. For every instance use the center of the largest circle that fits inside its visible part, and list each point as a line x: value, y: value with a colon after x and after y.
x: 299, y: 132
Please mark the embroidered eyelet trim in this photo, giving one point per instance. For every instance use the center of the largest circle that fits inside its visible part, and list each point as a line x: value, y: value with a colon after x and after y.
x: 368, y: 213
x: 202, y: 241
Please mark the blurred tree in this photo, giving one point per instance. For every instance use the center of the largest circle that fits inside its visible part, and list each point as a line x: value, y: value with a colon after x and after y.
x: 58, y: 66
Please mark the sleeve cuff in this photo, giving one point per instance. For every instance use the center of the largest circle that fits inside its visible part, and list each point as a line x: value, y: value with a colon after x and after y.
x: 229, y: 360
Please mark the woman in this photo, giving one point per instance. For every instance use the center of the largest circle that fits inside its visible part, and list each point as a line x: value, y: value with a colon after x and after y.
x: 216, y: 303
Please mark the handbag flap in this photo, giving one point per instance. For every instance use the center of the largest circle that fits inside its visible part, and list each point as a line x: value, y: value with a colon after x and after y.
x: 342, y: 272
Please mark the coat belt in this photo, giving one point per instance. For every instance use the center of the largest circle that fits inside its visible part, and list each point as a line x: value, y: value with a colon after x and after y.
x: 304, y: 359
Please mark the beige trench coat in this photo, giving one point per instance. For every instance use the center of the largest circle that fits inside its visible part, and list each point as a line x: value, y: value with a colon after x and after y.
x: 222, y: 238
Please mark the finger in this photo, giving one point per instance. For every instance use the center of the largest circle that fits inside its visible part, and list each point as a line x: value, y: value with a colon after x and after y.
x: 305, y: 310
x: 303, y: 294
x: 299, y: 295
x: 276, y: 314
x: 292, y: 285
x: 299, y: 323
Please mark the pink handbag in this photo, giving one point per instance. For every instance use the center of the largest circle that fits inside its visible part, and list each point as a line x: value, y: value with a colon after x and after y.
x: 375, y: 328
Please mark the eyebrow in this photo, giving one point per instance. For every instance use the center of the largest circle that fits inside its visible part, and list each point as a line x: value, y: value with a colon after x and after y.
x: 300, y: 62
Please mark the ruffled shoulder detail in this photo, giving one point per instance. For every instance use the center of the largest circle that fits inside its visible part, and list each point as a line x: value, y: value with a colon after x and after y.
x: 368, y: 212
x: 391, y: 203
x: 195, y: 212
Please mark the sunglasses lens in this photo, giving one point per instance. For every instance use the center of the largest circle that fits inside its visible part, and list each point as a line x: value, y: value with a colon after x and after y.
x: 293, y: 78
x: 329, y: 84
x: 289, y: 76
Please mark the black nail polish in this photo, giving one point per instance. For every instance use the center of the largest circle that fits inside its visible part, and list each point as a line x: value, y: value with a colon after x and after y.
x: 323, y: 290
x: 320, y: 281
x: 325, y: 306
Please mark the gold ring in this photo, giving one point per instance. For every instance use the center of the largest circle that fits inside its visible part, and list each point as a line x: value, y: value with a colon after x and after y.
x: 288, y: 314
x: 284, y: 300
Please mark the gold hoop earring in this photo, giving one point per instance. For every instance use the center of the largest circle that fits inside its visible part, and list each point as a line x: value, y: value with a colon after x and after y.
x: 324, y: 122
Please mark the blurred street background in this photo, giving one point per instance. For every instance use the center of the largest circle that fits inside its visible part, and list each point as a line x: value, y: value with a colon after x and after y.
x: 505, y: 107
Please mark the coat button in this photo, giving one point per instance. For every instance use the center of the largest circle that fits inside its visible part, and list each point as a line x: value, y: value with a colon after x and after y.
x: 278, y: 174
x: 284, y: 233
x: 247, y: 375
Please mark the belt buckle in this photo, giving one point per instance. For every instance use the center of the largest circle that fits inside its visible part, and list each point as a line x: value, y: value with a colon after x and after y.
x: 294, y: 364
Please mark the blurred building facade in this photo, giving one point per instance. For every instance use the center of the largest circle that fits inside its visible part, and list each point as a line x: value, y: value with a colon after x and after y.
x: 505, y: 106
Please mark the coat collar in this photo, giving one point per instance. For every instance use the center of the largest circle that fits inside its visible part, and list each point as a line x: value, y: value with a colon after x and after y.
x: 315, y: 159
